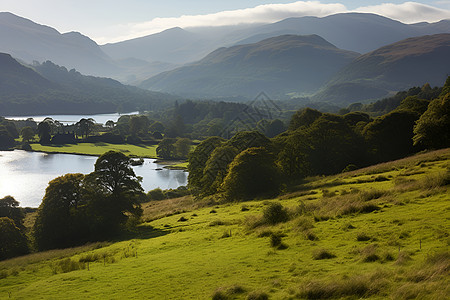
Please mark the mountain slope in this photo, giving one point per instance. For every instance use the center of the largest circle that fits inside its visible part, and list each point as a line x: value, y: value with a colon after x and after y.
x: 359, y: 32
x: 29, y: 41
x: 410, y: 62
x: 174, y: 45
x: 279, y: 65
x: 47, y: 88
x: 16, y: 79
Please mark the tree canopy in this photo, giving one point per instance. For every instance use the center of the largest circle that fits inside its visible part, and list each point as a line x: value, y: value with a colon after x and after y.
x: 78, y: 208
x: 252, y: 174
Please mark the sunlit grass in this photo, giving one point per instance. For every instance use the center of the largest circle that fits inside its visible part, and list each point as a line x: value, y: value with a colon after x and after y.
x: 191, y: 250
x: 98, y: 149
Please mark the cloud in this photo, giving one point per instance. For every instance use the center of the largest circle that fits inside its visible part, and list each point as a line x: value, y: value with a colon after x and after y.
x: 408, y: 12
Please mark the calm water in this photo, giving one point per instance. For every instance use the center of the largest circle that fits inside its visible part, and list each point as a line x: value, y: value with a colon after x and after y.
x: 70, y: 119
x: 25, y: 175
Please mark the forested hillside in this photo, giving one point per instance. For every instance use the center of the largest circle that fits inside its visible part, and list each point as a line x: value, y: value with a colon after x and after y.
x: 50, y: 89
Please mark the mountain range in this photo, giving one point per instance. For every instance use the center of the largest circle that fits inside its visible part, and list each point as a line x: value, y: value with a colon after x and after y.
x: 293, y: 57
x: 278, y: 65
x: 138, y: 59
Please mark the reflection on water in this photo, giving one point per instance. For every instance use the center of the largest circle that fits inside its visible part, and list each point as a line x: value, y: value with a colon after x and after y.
x: 25, y: 175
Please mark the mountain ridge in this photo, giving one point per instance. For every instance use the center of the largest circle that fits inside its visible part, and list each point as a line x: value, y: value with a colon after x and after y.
x: 276, y: 65
x: 401, y: 65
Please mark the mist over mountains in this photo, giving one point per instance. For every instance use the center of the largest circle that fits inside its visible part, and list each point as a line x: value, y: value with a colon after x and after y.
x: 312, y: 56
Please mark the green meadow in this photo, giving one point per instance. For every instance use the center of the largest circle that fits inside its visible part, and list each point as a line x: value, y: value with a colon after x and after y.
x: 98, y: 149
x: 381, y: 232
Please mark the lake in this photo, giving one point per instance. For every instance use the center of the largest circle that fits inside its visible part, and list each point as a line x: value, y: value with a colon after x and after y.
x: 25, y: 175
x: 71, y: 119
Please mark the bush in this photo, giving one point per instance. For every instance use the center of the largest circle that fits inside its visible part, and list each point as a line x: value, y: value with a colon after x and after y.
x: 156, y: 194
x: 257, y: 295
x: 322, y: 254
x: 362, y: 237
x: 275, y: 213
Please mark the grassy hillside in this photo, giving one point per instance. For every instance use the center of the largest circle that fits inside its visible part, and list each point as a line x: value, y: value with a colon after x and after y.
x: 379, y: 232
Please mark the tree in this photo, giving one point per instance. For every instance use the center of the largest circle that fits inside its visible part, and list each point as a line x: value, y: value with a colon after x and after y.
x: 13, y: 241
x: 333, y: 145
x: 292, y: 157
x: 9, y: 207
x: 432, y: 128
x: 139, y: 124
x: 274, y: 127
x: 85, y: 126
x: 248, y: 139
x: 303, y: 117
x: 197, y: 162
x: 58, y: 222
x: 44, y: 131
x: 252, y: 174
x: 78, y: 208
x: 113, y: 192
x: 182, y: 147
x: 176, y: 128
x: 156, y: 127
x: 6, y: 140
x: 216, y: 169
x: 390, y: 136
x: 110, y: 124
x: 27, y: 133
x: 166, y: 148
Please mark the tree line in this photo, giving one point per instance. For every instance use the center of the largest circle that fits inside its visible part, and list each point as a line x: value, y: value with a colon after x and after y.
x: 250, y: 165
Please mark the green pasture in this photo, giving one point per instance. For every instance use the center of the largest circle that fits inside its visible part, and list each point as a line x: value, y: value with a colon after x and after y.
x: 98, y: 149
x: 380, y: 232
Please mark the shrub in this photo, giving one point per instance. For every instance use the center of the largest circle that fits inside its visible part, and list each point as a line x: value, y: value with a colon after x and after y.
x: 275, y: 213
x: 369, y: 253
x: 276, y: 239
x: 359, y: 287
x: 156, y: 194
x: 322, y: 254
x: 225, y: 293
x: 362, y: 237
x: 257, y: 295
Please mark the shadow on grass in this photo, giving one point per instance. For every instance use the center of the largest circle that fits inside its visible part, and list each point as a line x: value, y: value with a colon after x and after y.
x: 142, y: 232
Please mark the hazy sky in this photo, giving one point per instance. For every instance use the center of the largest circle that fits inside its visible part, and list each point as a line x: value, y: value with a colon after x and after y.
x: 114, y: 20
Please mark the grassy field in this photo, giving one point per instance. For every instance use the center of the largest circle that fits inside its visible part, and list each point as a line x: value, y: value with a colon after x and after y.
x: 380, y: 232
x: 98, y: 149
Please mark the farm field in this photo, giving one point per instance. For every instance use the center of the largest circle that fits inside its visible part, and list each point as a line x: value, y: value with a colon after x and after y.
x: 379, y: 232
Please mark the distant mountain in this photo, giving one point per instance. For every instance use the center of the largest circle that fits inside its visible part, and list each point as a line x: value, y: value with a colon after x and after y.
x: 50, y: 89
x: 28, y: 41
x: 278, y: 66
x: 359, y: 32
x: 399, y: 66
x: 174, y: 45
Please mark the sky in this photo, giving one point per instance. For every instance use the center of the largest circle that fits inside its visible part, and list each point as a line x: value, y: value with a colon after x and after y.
x: 107, y: 21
